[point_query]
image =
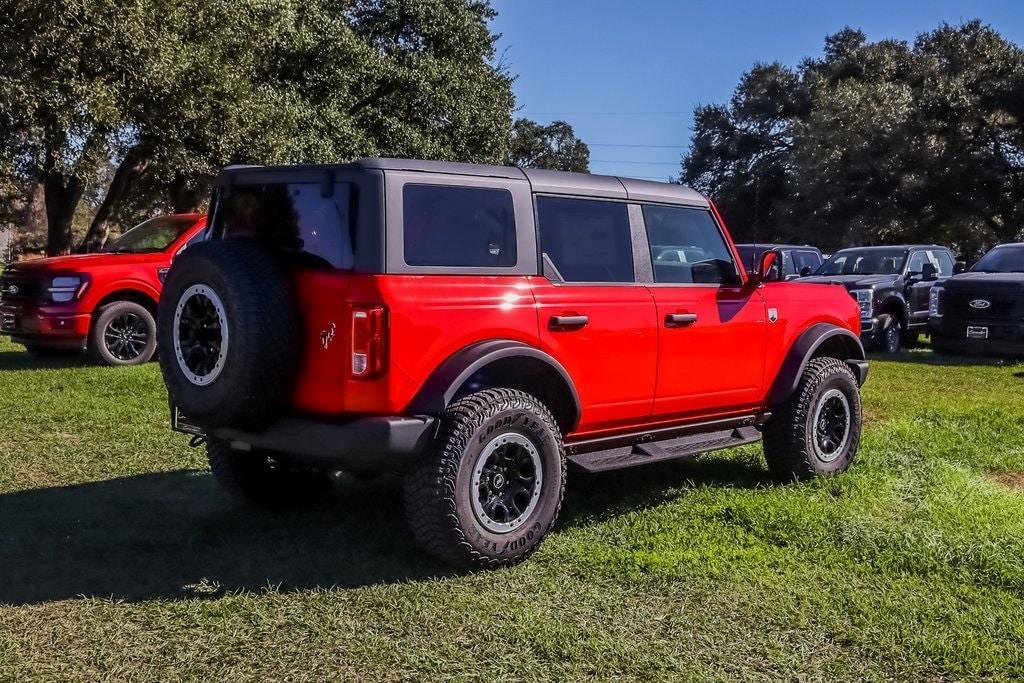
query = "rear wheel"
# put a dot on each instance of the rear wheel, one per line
(493, 485)
(261, 478)
(817, 431)
(124, 333)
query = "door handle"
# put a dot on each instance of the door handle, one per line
(680, 319)
(568, 322)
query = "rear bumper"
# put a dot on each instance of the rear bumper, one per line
(56, 327)
(366, 444)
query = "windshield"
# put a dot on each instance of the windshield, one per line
(154, 235)
(864, 262)
(1001, 260)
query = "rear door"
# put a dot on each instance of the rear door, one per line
(593, 316)
(711, 326)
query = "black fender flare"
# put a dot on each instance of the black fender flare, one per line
(444, 382)
(895, 299)
(805, 348)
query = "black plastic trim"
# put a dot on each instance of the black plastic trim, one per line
(441, 387)
(803, 350)
(367, 444)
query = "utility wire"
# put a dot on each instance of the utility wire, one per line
(623, 161)
(612, 144)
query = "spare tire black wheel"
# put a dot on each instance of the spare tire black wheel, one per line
(227, 333)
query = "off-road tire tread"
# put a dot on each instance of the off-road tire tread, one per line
(263, 296)
(785, 444)
(429, 489)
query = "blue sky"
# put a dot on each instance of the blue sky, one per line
(630, 73)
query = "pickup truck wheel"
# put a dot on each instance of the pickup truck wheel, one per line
(890, 334)
(259, 478)
(817, 431)
(124, 333)
(492, 486)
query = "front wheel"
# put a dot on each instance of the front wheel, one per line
(890, 334)
(124, 333)
(492, 486)
(817, 431)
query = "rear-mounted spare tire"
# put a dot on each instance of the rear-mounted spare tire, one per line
(227, 334)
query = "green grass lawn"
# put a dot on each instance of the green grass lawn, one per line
(119, 558)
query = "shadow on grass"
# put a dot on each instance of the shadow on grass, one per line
(175, 535)
(928, 357)
(23, 360)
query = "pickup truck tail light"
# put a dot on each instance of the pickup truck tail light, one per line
(369, 341)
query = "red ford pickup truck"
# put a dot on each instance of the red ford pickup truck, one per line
(103, 302)
(482, 329)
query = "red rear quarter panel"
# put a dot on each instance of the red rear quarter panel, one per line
(799, 306)
(430, 318)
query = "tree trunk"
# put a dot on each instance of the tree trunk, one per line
(131, 167)
(186, 198)
(62, 197)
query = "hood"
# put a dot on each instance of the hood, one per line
(853, 281)
(966, 280)
(76, 262)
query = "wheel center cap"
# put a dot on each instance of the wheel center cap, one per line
(498, 481)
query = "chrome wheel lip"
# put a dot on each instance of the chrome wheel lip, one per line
(833, 397)
(208, 293)
(500, 441)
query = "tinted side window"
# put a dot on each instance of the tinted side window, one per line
(917, 261)
(587, 240)
(805, 258)
(945, 263)
(458, 226)
(295, 218)
(686, 246)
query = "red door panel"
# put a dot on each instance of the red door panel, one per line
(612, 357)
(711, 350)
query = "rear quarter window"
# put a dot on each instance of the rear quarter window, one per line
(445, 225)
(296, 219)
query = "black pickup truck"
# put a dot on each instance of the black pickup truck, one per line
(982, 311)
(892, 286)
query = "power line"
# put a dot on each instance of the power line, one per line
(623, 161)
(611, 113)
(612, 144)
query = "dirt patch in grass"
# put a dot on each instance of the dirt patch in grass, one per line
(1012, 480)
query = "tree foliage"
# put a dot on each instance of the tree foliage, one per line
(554, 147)
(158, 94)
(878, 142)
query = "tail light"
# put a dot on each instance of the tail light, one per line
(369, 337)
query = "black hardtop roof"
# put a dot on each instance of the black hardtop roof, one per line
(541, 181)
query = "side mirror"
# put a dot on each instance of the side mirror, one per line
(805, 271)
(929, 271)
(769, 268)
(959, 267)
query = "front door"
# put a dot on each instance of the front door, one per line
(594, 318)
(918, 289)
(711, 326)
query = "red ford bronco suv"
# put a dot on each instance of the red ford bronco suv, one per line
(103, 302)
(479, 328)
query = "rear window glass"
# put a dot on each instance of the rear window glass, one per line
(295, 218)
(458, 226)
(587, 240)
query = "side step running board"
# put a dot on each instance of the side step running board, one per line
(658, 451)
